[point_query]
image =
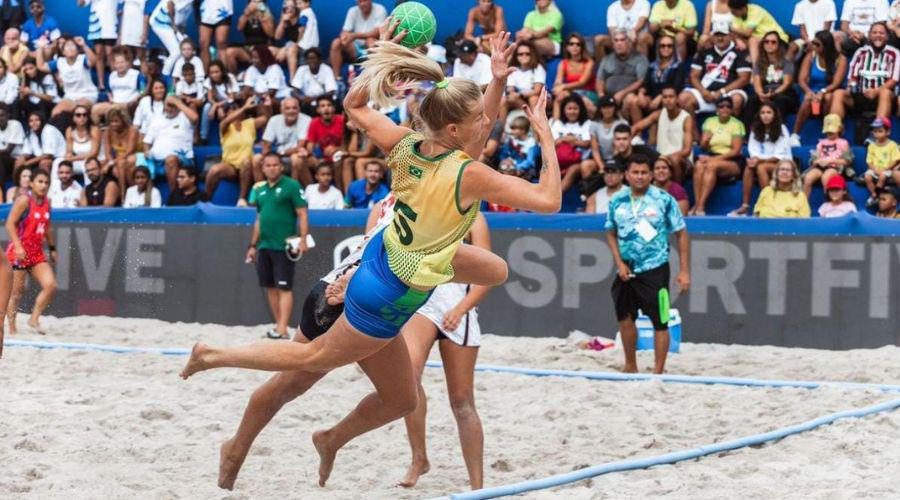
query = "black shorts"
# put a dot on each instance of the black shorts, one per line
(862, 104)
(274, 269)
(223, 22)
(317, 315)
(647, 291)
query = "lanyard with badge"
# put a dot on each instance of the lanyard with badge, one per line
(643, 226)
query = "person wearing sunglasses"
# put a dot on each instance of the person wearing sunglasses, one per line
(750, 25)
(773, 77)
(821, 73)
(666, 71)
(524, 85)
(82, 140)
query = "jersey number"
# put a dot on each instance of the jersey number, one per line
(401, 222)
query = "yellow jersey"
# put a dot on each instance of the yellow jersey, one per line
(429, 225)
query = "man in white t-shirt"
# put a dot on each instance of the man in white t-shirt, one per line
(629, 16)
(360, 31)
(857, 16)
(170, 138)
(285, 135)
(598, 203)
(67, 192)
(472, 64)
(313, 80)
(12, 135)
(813, 16)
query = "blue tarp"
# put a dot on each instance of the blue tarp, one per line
(860, 224)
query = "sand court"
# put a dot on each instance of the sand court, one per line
(80, 423)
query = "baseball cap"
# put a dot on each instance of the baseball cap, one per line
(831, 124)
(725, 100)
(881, 122)
(437, 53)
(836, 182)
(606, 101)
(468, 47)
(614, 166)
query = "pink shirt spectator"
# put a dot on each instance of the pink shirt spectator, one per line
(841, 209)
(832, 149)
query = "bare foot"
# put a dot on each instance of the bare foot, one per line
(326, 455)
(197, 362)
(229, 464)
(416, 469)
(630, 369)
(36, 326)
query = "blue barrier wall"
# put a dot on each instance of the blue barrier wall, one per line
(584, 16)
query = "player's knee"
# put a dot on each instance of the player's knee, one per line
(463, 406)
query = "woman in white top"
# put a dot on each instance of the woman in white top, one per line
(770, 144)
(82, 141)
(525, 84)
(572, 132)
(322, 195)
(150, 106)
(123, 84)
(221, 89)
(38, 89)
(717, 14)
(143, 193)
(215, 19)
(74, 70)
(43, 145)
(187, 55)
(264, 75)
(9, 85)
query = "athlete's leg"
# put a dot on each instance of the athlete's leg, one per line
(43, 274)
(340, 346)
(18, 286)
(5, 287)
(459, 370)
(391, 373)
(265, 402)
(419, 333)
(477, 266)
(285, 306)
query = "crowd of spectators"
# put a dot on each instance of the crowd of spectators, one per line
(709, 104)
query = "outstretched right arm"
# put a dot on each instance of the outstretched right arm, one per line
(481, 182)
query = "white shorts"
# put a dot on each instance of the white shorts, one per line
(132, 32)
(710, 107)
(444, 298)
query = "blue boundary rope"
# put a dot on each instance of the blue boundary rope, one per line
(610, 467)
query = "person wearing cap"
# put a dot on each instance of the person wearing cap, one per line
(613, 177)
(838, 202)
(887, 203)
(672, 132)
(882, 157)
(783, 197)
(677, 18)
(622, 73)
(872, 76)
(720, 71)
(472, 64)
(721, 141)
(831, 157)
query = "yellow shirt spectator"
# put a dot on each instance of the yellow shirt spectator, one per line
(760, 22)
(723, 133)
(777, 204)
(237, 145)
(881, 157)
(683, 15)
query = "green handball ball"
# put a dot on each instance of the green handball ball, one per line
(418, 20)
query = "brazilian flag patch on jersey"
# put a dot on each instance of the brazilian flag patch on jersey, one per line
(415, 171)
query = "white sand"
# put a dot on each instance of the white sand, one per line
(77, 424)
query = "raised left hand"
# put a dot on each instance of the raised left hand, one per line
(501, 52)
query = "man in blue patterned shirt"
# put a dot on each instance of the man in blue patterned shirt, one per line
(641, 217)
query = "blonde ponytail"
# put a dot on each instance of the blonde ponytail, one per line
(390, 69)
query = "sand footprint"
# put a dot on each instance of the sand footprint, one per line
(156, 415)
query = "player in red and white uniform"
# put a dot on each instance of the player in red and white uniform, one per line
(28, 226)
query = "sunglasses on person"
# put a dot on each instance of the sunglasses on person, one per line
(770, 41)
(666, 46)
(80, 115)
(574, 42)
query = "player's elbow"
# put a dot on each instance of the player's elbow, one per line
(549, 204)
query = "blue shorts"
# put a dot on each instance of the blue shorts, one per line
(377, 303)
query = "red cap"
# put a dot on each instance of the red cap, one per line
(836, 182)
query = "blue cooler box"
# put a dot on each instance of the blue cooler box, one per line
(645, 332)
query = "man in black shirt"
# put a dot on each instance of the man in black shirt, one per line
(187, 192)
(623, 149)
(719, 71)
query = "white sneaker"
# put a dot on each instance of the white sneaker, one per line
(795, 141)
(637, 141)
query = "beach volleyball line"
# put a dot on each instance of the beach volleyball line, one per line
(670, 458)
(532, 372)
